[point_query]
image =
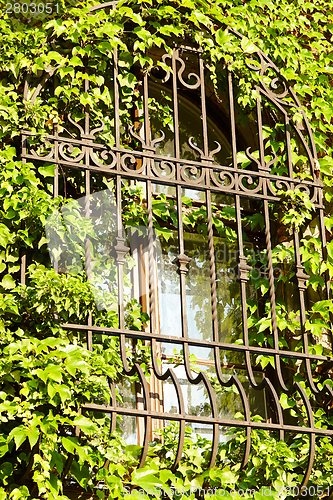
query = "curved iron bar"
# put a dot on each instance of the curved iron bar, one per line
(234, 380)
(169, 373)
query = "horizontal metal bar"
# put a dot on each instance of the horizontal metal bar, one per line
(196, 342)
(208, 420)
(174, 182)
(146, 154)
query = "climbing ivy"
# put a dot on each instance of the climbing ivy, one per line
(48, 448)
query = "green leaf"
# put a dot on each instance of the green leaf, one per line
(19, 434)
(75, 61)
(69, 443)
(51, 390)
(8, 282)
(4, 235)
(145, 479)
(64, 392)
(33, 436)
(47, 170)
(54, 372)
(247, 46)
(222, 37)
(85, 424)
(6, 470)
(286, 402)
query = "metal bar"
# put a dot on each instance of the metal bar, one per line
(121, 314)
(175, 103)
(288, 146)
(151, 260)
(324, 251)
(212, 266)
(87, 253)
(243, 268)
(209, 420)
(148, 154)
(183, 183)
(116, 98)
(260, 136)
(203, 107)
(272, 298)
(199, 343)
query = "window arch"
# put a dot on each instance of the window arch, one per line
(187, 192)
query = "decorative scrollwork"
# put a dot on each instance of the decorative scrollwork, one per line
(180, 72)
(202, 155)
(222, 178)
(165, 169)
(98, 129)
(272, 161)
(193, 174)
(105, 155)
(303, 188)
(254, 159)
(76, 124)
(161, 69)
(194, 146)
(158, 139)
(275, 185)
(134, 163)
(314, 198)
(256, 182)
(70, 148)
(275, 84)
(137, 136)
(49, 155)
(216, 150)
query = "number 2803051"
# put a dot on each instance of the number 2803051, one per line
(31, 8)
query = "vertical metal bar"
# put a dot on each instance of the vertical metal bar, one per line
(146, 110)
(87, 252)
(120, 263)
(241, 258)
(116, 99)
(232, 121)
(324, 251)
(212, 267)
(301, 284)
(272, 296)
(270, 269)
(301, 279)
(56, 171)
(324, 248)
(181, 253)
(23, 258)
(26, 86)
(203, 107)
(151, 260)
(87, 249)
(182, 272)
(259, 127)
(23, 267)
(288, 146)
(86, 108)
(175, 103)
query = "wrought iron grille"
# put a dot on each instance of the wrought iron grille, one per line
(229, 175)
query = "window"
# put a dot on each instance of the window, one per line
(180, 199)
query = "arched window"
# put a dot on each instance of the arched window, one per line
(181, 194)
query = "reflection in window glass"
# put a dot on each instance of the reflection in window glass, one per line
(198, 292)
